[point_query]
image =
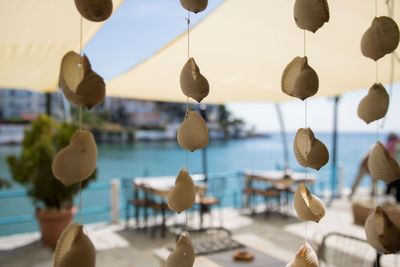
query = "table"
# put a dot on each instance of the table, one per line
(262, 249)
(279, 177)
(282, 181)
(161, 186)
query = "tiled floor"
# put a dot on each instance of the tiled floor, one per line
(120, 247)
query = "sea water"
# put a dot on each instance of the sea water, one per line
(224, 158)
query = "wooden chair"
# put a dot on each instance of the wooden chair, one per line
(157, 206)
(214, 195)
(268, 193)
(132, 199)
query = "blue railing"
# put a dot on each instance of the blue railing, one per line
(31, 218)
(233, 197)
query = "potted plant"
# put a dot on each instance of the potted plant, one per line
(32, 169)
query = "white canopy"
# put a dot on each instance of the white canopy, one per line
(35, 34)
(243, 47)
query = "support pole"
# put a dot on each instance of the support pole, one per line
(48, 104)
(334, 149)
(284, 138)
(114, 199)
(204, 150)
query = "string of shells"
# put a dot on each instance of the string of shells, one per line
(77, 161)
(192, 134)
(380, 39)
(300, 80)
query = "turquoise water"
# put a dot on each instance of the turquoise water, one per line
(166, 158)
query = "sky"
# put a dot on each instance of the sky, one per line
(140, 28)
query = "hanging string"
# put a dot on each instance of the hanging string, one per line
(187, 108)
(376, 72)
(390, 9)
(80, 108)
(188, 35)
(306, 169)
(186, 222)
(305, 126)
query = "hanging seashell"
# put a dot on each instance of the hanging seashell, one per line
(382, 166)
(381, 38)
(308, 206)
(183, 195)
(382, 234)
(311, 14)
(79, 83)
(299, 79)
(193, 133)
(309, 151)
(77, 161)
(375, 105)
(305, 257)
(193, 83)
(183, 255)
(74, 248)
(95, 10)
(195, 6)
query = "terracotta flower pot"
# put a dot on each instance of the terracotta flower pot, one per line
(53, 222)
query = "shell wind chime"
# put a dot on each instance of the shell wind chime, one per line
(77, 161)
(192, 135)
(300, 80)
(380, 39)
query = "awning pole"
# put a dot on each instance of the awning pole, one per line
(334, 149)
(204, 150)
(284, 137)
(48, 104)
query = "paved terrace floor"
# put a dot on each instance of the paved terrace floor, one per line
(120, 247)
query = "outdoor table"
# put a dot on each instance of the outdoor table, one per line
(265, 253)
(161, 186)
(280, 179)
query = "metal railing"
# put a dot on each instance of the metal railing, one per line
(115, 207)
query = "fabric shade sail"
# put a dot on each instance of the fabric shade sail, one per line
(34, 37)
(242, 48)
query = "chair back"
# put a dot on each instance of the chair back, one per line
(216, 187)
(339, 249)
(127, 188)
